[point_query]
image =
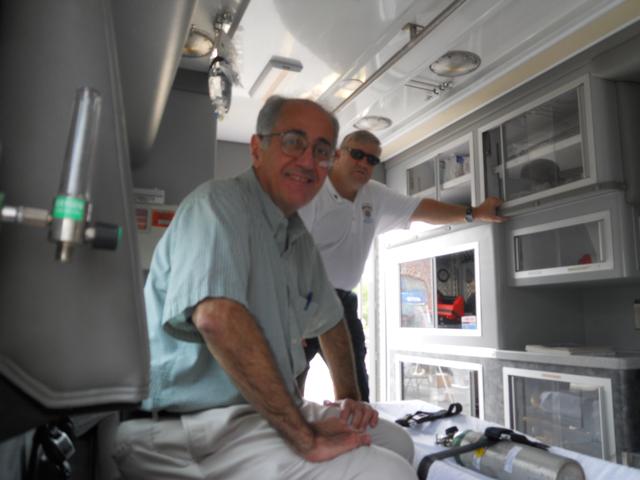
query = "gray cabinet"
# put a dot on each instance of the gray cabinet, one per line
(561, 141)
(587, 238)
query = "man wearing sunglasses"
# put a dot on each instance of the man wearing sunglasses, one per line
(350, 210)
(235, 284)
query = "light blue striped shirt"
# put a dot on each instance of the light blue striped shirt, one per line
(229, 240)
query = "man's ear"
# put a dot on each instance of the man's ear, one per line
(338, 156)
(256, 149)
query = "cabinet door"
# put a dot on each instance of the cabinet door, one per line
(445, 173)
(440, 382)
(588, 238)
(439, 292)
(421, 179)
(568, 411)
(538, 150)
(574, 245)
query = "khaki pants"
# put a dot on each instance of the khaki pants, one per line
(237, 443)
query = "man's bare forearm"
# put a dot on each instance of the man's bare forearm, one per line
(338, 353)
(238, 345)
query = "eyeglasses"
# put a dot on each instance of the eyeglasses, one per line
(358, 154)
(295, 143)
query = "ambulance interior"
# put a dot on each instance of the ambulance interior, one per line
(533, 324)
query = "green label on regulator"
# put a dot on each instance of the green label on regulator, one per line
(68, 207)
(1, 200)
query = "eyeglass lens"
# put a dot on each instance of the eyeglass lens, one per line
(358, 154)
(295, 143)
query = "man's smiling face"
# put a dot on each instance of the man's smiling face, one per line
(292, 181)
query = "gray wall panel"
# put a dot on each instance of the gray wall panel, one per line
(233, 158)
(182, 156)
(74, 334)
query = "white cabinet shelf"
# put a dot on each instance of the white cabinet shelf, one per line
(462, 180)
(542, 151)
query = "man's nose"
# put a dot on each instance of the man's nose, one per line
(306, 159)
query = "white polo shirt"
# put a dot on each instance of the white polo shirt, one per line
(344, 230)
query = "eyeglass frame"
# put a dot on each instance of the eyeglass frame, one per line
(301, 134)
(371, 159)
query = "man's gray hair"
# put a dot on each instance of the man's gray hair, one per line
(360, 136)
(270, 112)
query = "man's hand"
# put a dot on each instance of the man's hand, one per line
(486, 211)
(332, 438)
(359, 415)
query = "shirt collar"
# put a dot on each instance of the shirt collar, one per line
(335, 195)
(332, 191)
(281, 226)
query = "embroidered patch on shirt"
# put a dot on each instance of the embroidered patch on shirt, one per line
(367, 211)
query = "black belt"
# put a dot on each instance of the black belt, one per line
(158, 414)
(344, 293)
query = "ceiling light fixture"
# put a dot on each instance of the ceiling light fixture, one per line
(373, 122)
(455, 63)
(199, 44)
(273, 76)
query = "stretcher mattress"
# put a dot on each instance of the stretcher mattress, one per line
(424, 436)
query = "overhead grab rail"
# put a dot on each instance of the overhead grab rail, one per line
(417, 34)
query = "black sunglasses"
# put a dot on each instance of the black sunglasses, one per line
(358, 154)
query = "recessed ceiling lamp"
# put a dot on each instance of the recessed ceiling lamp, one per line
(373, 122)
(455, 63)
(199, 43)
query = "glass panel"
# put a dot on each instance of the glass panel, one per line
(454, 164)
(561, 247)
(421, 177)
(542, 148)
(456, 290)
(416, 297)
(455, 174)
(454, 278)
(440, 385)
(558, 413)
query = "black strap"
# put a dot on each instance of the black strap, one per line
(497, 433)
(427, 461)
(419, 417)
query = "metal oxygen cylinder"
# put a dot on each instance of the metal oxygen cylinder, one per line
(507, 460)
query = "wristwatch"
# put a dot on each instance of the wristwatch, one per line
(468, 214)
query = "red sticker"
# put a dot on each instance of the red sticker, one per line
(161, 218)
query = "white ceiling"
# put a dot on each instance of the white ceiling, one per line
(338, 40)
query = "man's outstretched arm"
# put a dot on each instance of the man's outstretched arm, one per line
(440, 213)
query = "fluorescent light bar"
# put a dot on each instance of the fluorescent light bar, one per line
(273, 75)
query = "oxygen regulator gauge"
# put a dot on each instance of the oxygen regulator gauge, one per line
(70, 220)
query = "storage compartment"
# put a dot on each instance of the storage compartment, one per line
(548, 146)
(589, 238)
(444, 174)
(570, 411)
(441, 382)
(440, 287)
(438, 292)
